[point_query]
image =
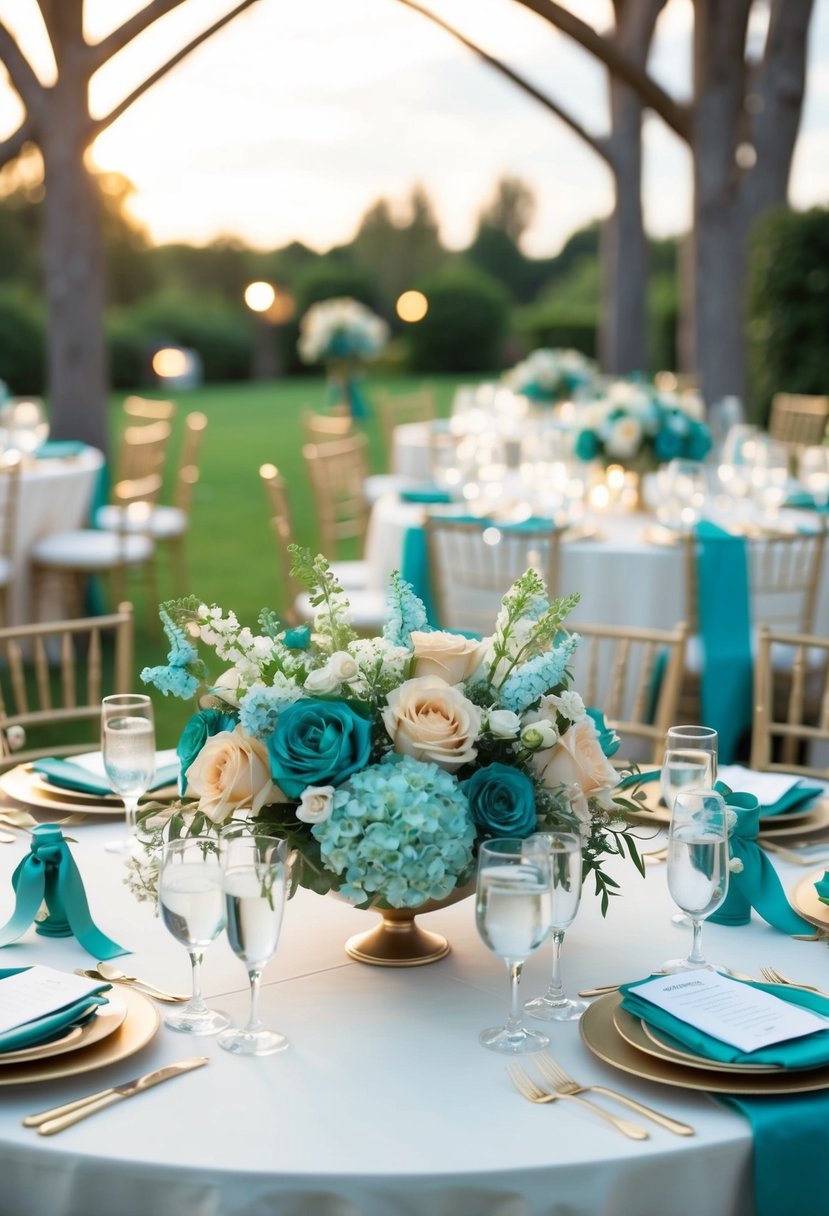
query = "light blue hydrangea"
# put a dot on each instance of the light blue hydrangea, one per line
(400, 833)
(525, 684)
(180, 676)
(404, 612)
(260, 707)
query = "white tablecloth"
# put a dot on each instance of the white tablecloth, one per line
(385, 1104)
(55, 496)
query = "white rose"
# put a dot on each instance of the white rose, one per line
(343, 667)
(503, 723)
(449, 655)
(231, 771)
(432, 721)
(322, 680)
(316, 803)
(224, 690)
(15, 738)
(624, 438)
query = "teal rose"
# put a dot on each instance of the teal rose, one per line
(586, 446)
(317, 743)
(199, 729)
(501, 801)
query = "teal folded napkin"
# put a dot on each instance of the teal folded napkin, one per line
(725, 633)
(753, 881)
(52, 1025)
(71, 776)
(48, 876)
(425, 494)
(803, 500)
(54, 449)
(822, 888)
(794, 799)
(811, 1051)
(789, 1132)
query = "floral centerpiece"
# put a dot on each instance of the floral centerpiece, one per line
(385, 761)
(548, 376)
(639, 428)
(344, 334)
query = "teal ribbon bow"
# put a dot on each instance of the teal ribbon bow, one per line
(822, 888)
(756, 885)
(48, 875)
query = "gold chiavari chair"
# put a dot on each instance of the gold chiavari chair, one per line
(145, 409)
(54, 675)
(784, 732)
(635, 676)
(472, 563)
(798, 420)
(367, 606)
(143, 451)
(337, 472)
(398, 411)
(71, 558)
(9, 496)
(326, 428)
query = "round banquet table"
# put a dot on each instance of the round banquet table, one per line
(385, 1104)
(55, 496)
(622, 576)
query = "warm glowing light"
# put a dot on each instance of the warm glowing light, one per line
(615, 476)
(260, 296)
(171, 362)
(412, 306)
(599, 497)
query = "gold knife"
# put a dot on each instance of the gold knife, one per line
(59, 1117)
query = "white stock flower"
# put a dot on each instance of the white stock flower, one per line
(568, 703)
(316, 803)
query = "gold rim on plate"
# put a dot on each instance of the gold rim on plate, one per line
(105, 1022)
(138, 1027)
(600, 1035)
(24, 785)
(805, 900)
(812, 819)
(656, 1046)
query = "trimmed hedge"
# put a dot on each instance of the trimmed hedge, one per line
(466, 325)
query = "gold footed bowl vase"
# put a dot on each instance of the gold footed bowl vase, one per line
(399, 941)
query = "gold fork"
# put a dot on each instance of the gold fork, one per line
(773, 976)
(528, 1089)
(789, 855)
(561, 1081)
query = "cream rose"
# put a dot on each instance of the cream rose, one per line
(323, 680)
(449, 655)
(430, 720)
(316, 804)
(578, 759)
(231, 771)
(225, 690)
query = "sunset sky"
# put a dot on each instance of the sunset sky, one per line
(295, 118)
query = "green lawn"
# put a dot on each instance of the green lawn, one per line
(231, 554)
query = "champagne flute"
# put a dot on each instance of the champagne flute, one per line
(128, 750)
(512, 912)
(563, 850)
(193, 910)
(697, 864)
(255, 871)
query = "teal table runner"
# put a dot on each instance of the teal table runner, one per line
(725, 633)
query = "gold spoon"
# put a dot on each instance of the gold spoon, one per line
(113, 975)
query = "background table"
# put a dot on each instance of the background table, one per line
(55, 496)
(385, 1104)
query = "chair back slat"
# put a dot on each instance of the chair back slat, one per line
(394, 411)
(281, 525)
(798, 420)
(41, 662)
(187, 474)
(143, 451)
(337, 472)
(148, 410)
(790, 730)
(327, 428)
(68, 671)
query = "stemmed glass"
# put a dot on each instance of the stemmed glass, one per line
(128, 750)
(193, 909)
(813, 473)
(255, 871)
(512, 912)
(563, 850)
(697, 864)
(685, 768)
(694, 739)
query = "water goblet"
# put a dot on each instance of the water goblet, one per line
(694, 739)
(563, 850)
(128, 750)
(683, 769)
(192, 908)
(697, 865)
(512, 912)
(255, 870)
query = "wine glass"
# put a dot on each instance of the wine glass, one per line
(684, 769)
(563, 850)
(697, 864)
(192, 907)
(694, 739)
(512, 912)
(128, 750)
(255, 871)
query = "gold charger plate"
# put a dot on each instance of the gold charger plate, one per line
(805, 900)
(140, 1023)
(106, 1021)
(644, 1038)
(600, 1035)
(812, 819)
(24, 785)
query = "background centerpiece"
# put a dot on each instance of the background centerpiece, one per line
(386, 761)
(548, 376)
(344, 335)
(639, 428)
